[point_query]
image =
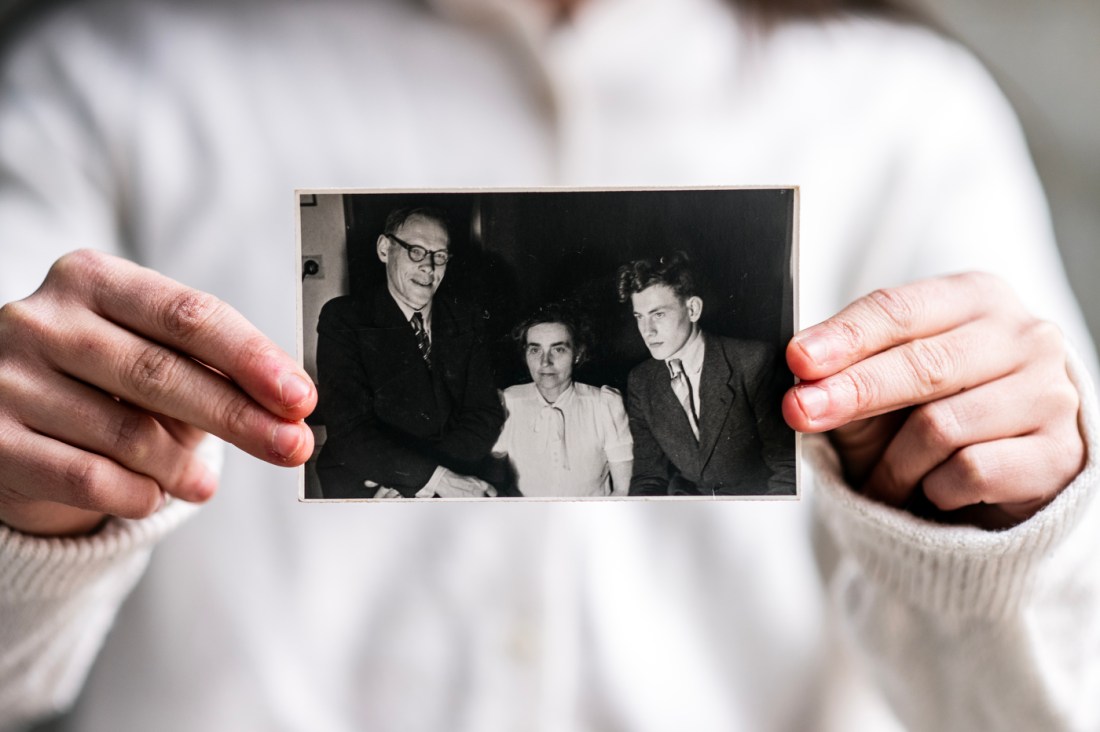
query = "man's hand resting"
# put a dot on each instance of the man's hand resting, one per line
(111, 374)
(943, 391)
(455, 485)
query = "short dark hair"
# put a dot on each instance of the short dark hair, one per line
(580, 330)
(398, 217)
(673, 270)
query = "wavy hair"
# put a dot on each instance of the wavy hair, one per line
(673, 270)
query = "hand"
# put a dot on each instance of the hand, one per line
(454, 485)
(381, 491)
(944, 391)
(110, 374)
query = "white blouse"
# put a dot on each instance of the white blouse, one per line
(564, 449)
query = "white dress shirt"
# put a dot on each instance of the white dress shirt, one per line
(691, 356)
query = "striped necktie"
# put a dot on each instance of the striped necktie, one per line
(422, 340)
(681, 386)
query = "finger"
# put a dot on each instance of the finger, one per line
(163, 381)
(465, 488)
(87, 418)
(1019, 474)
(886, 318)
(917, 372)
(384, 492)
(64, 474)
(192, 322)
(863, 443)
(475, 487)
(187, 435)
(45, 518)
(932, 433)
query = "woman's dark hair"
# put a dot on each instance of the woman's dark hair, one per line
(771, 11)
(580, 330)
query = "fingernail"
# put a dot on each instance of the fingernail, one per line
(814, 401)
(293, 390)
(817, 347)
(286, 440)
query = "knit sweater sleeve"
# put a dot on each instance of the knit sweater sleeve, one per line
(59, 598)
(965, 629)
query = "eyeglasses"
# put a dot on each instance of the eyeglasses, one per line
(440, 257)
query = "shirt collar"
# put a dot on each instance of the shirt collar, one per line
(691, 354)
(563, 399)
(425, 312)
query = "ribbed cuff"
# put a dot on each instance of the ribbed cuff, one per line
(43, 568)
(958, 570)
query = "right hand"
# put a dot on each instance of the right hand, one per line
(945, 391)
(110, 376)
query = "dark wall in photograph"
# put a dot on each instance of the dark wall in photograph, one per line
(516, 251)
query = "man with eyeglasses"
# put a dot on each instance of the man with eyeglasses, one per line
(404, 379)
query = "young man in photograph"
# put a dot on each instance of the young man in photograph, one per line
(405, 386)
(705, 409)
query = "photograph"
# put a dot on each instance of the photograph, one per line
(549, 344)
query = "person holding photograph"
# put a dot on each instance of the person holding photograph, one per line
(563, 438)
(705, 410)
(165, 138)
(405, 385)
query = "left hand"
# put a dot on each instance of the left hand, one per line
(947, 387)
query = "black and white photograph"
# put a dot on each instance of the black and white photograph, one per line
(549, 344)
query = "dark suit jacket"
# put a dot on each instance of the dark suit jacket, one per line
(388, 417)
(744, 446)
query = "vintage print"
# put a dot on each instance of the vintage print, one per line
(551, 344)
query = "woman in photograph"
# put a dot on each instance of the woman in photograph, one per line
(563, 438)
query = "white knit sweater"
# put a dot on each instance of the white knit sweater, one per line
(174, 133)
